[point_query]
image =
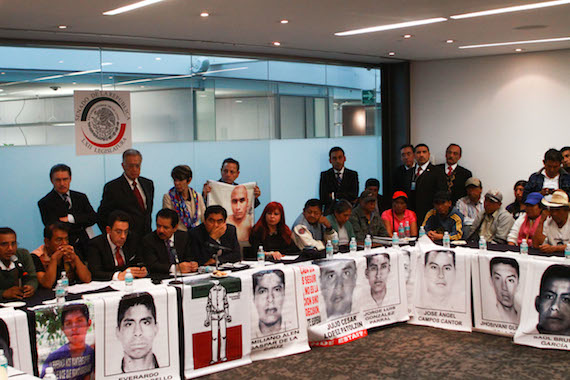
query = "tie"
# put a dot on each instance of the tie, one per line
(169, 250)
(119, 258)
(338, 178)
(138, 195)
(449, 171)
(419, 171)
(67, 201)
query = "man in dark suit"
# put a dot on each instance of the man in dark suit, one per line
(214, 232)
(130, 193)
(425, 181)
(401, 176)
(69, 207)
(166, 246)
(456, 175)
(110, 254)
(338, 182)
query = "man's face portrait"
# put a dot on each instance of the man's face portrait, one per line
(505, 281)
(422, 155)
(452, 155)
(377, 272)
(132, 166)
(61, 181)
(229, 173)
(406, 260)
(312, 214)
(407, 155)
(553, 306)
(75, 328)
(136, 332)
(268, 297)
(338, 279)
(164, 228)
(8, 246)
(214, 220)
(58, 239)
(240, 202)
(439, 273)
(337, 159)
(118, 233)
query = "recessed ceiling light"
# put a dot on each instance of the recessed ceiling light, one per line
(284, 21)
(276, 43)
(110, 77)
(106, 63)
(449, 41)
(60, 61)
(62, 26)
(406, 36)
(204, 14)
(516, 43)
(130, 7)
(518, 50)
(391, 26)
(142, 86)
(1, 90)
(157, 59)
(140, 67)
(391, 54)
(2, 73)
(511, 9)
(239, 101)
(74, 82)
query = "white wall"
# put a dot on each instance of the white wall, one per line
(505, 112)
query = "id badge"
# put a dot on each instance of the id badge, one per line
(413, 187)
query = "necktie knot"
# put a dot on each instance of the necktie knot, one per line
(449, 170)
(119, 257)
(419, 171)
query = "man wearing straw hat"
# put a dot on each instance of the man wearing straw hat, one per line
(553, 232)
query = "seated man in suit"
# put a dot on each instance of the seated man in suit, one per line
(56, 255)
(165, 247)
(456, 175)
(17, 278)
(213, 233)
(130, 193)
(112, 253)
(338, 182)
(69, 207)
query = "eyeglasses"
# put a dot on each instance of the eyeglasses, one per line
(6, 244)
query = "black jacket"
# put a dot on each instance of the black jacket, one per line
(155, 254)
(101, 261)
(456, 182)
(200, 252)
(328, 184)
(428, 183)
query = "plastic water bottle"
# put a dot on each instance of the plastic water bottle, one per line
(395, 240)
(401, 231)
(49, 374)
(446, 240)
(524, 247)
(335, 242)
(261, 255)
(3, 365)
(59, 293)
(352, 245)
(407, 230)
(129, 279)
(64, 282)
(482, 244)
(367, 243)
(567, 252)
(329, 249)
(422, 232)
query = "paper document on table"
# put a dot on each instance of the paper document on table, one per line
(93, 285)
(289, 257)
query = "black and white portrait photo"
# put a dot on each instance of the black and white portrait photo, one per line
(553, 301)
(444, 284)
(337, 282)
(377, 272)
(504, 278)
(269, 297)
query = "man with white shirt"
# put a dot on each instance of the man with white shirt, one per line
(338, 182)
(167, 249)
(553, 232)
(550, 178)
(456, 175)
(130, 193)
(471, 204)
(110, 254)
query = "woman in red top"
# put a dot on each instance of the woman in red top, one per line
(272, 233)
(399, 213)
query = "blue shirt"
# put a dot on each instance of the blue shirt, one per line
(68, 368)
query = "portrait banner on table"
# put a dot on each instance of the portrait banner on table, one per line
(239, 202)
(217, 323)
(15, 339)
(443, 288)
(65, 339)
(409, 260)
(278, 323)
(545, 318)
(498, 290)
(102, 122)
(333, 300)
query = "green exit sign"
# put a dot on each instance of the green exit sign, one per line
(368, 97)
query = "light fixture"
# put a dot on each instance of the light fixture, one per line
(518, 50)
(60, 61)
(2, 73)
(391, 26)
(449, 41)
(74, 83)
(157, 59)
(62, 26)
(406, 36)
(276, 43)
(239, 101)
(204, 14)
(1, 90)
(106, 63)
(516, 43)
(516, 8)
(391, 54)
(130, 7)
(284, 21)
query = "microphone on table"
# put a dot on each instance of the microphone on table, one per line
(217, 247)
(22, 273)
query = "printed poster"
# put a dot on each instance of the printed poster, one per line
(102, 122)
(545, 318)
(239, 203)
(498, 291)
(216, 323)
(278, 323)
(443, 288)
(15, 339)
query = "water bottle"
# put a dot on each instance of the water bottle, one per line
(352, 245)
(3, 366)
(59, 293)
(446, 240)
(49, 375)
(64, 282)
(567, 252)
(335, 242)
(401, 231)
(329, 249)
(395, 240)
(524, 247)
(422, 232)
(367, 243)
(260, 255)
(482, 244)
(129, 279)
(407, 230)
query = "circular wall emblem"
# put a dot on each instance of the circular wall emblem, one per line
(105, 122)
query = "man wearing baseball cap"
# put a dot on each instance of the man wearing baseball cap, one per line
(553, 233)
(365, 219)
(471, 204)
(527, 223)
(494, 222)
(443, 217)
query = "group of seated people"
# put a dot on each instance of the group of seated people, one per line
(189, 235)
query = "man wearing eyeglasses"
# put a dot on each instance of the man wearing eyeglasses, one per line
(17, 276)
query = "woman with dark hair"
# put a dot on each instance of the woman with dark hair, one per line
(187, 202)
(342, 210)
(399, 213)
(272, 233)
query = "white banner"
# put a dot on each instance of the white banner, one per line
(102, 122)
(498, 291)
(545, 318)
(15, 339)
(239, 203)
